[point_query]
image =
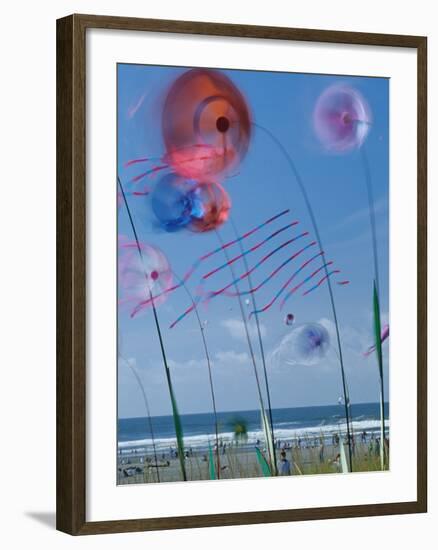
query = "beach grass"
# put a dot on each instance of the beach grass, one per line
(242, 462)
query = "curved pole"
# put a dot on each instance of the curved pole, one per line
(146, 404)
(245, 324)
(160, 339)
(207, 357)
(329, 286)
(372, 215)
(260, 340)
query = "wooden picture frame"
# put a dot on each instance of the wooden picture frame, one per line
(71, 273)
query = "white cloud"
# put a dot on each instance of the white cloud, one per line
(351, 338)
(353, 342)
(380, 207)
(223, 359)
(127, 362)
(232, 357)
(190, 364)
(236, 328)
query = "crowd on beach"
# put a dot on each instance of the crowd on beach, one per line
(292, 454)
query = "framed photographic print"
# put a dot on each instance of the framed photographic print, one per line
(241, 283)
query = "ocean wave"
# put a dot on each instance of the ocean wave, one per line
(284, 434)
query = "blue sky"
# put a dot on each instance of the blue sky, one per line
(262, 186)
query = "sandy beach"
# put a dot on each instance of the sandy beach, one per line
(239, 461)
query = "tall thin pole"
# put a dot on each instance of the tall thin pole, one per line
(210, 375)
(245, 324)
(329, 286)
(260, 340)
(146, 404)
(160, 339)
(372, 215)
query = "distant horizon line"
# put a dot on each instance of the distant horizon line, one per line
(251, 410)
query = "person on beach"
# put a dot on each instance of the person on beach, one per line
(285, 466)
(377, 446)
(336, 462)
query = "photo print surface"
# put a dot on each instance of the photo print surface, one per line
(253, 272)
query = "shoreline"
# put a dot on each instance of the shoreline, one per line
(202, 441)
(312, 455)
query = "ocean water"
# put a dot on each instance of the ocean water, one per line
(289, 424)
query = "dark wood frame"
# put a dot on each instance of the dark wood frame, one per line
(71, 269)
